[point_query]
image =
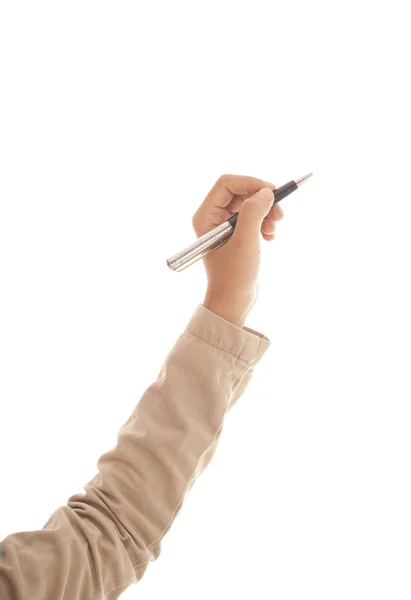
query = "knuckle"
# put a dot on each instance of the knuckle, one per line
(194, 224)
(197, 223)
(223, 178)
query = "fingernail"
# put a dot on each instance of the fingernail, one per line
(266, 194)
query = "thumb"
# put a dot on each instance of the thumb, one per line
(251, 216)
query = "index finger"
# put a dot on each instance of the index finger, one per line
(227, 186)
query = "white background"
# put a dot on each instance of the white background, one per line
(116, 118)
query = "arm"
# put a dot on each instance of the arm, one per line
(102, 541)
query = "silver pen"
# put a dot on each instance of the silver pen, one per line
(221, 234)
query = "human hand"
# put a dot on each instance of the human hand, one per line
(232, 271)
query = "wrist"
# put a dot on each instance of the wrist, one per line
(226, 310)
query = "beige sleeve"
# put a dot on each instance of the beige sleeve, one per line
(102, 541)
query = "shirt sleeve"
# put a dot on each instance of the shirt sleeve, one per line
(102, 541)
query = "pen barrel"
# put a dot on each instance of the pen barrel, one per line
(279, 194)
(203, 245)
(284, 191)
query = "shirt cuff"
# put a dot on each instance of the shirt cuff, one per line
(244, 344)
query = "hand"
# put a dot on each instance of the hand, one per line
(232, 270)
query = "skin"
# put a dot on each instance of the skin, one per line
(232, 270)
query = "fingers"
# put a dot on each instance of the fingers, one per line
(227, 186)
(276, 214)
(268, 238)
(268, 226)
(251, 217)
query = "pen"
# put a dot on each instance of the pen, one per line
(222, 233)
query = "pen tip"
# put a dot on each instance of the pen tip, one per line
(300, 180)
